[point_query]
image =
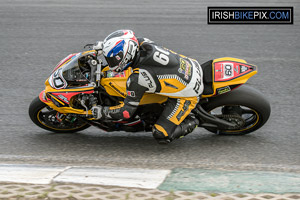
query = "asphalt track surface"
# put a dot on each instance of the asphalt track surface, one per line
(35, 35)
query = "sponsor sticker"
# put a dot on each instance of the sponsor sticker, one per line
(65, 99)
(223, 90)
(185, 68)
(228, 70)
(57, 81)
(147, 79)
(111, 74)
(243, 68)
(131, 93)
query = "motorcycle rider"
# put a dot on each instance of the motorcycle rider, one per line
(155, 70)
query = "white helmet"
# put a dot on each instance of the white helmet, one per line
(119, 49)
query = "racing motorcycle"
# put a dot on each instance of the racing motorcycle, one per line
(82, 80)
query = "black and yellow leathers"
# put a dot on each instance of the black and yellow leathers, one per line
(162, 71)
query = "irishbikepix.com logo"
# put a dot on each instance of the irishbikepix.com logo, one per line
(250, 15)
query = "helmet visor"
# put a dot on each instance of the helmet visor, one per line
(114, 61)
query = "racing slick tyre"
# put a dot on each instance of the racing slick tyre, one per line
(245, 106)
(47, 118)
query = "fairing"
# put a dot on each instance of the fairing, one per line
(67, 81)
(229, 73)
(68, 73)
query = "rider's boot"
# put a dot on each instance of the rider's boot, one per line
(186, 127)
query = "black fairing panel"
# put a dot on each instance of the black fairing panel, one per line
(207, 77)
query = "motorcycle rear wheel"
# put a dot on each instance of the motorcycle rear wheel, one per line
(45, 117)
(245, 105)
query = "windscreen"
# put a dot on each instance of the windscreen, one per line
(72, 73)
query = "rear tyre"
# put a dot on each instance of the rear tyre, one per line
(47, 118)
(245, 106)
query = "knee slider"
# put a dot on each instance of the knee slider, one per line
(159, 132)
(160, 135)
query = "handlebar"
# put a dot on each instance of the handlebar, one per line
(94, 62)
(98, 46)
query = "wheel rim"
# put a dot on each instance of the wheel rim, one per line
(248, 115)
(57, 121)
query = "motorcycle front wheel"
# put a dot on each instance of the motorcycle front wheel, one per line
(49, 119)
(246, 107)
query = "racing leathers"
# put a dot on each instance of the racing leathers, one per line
(162, 71)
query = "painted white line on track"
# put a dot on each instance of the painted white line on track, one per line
(28, 174)
(124, 177)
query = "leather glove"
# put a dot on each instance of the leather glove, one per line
(98, 45)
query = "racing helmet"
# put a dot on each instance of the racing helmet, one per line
(119, 49)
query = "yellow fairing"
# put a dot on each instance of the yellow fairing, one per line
(87, 52)
(231, 59)
(236, 81)
(116, 86)
(64, 110)
(75, 89)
